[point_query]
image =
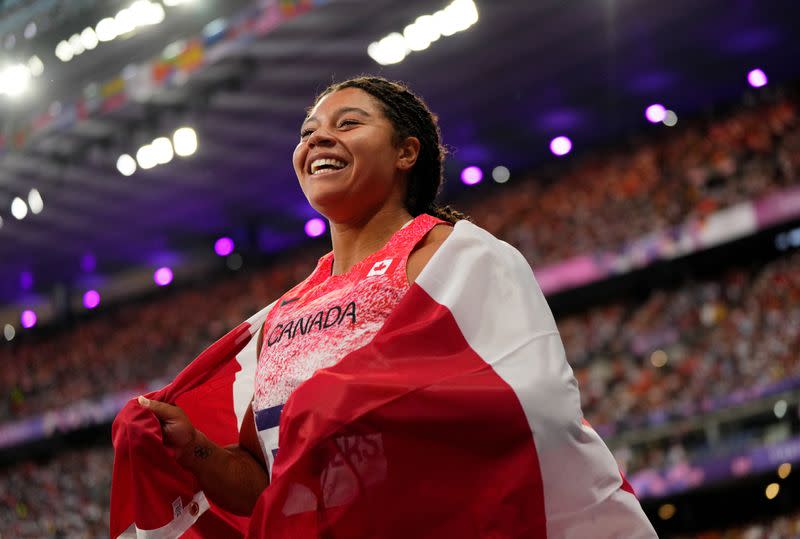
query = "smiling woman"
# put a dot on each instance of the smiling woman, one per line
(418, 357)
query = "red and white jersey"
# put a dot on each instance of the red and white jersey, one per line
(321, 320)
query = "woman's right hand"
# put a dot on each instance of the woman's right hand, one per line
(179, 433)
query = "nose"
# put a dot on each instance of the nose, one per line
(320, 137)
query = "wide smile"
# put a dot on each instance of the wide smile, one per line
(325, 166)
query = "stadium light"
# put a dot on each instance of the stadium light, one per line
(126, 164)
(88, 262)
(163, 276)
(35, 201)
(30, 30)
(146, 157)
(19, 209)
(670, 119)
(162, 147)
(14, 80)
(89, 38)
(35, 66)
(223, 246)
(417, 36)
(91, 299)
(501, 174)
(9, 332)
(28, 319)
(106, 29)
(471, 175)
(757, 78)
(26, 280)
(655, 113)
(184, 141)
(64, 52)
(315, 227)
(561, 146)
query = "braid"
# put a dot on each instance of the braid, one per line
(410, 116)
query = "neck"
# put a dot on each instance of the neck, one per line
(355, 241)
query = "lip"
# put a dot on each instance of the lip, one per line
(324, 155)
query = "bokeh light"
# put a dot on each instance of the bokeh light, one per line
(561, 146)
(91, 299)
(501, 174)
(163, 276)
(757, 78)
(28, 319)
(315, 227)
(655, 113)
(471, 175)
(224, 246)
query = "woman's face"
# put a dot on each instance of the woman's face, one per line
(347, 163)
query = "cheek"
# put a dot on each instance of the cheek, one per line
(299, 158)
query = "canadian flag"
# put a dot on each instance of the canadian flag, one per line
(379, 268)
(460, 418)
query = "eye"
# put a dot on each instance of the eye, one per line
(348, 122)
(305, 132)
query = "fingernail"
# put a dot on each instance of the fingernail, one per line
(143, 400)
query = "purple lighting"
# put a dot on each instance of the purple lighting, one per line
(471, 175)
(757, 78)
(28, 319)
(315, 227)
(91, 299)
(26, 280)
(163, 276)
(560, 146)
(223, 246)
(88, 262)
(655, 113)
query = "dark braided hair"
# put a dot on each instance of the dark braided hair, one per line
(410, 117)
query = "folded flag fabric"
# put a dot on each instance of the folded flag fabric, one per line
(460, 418)
(152, 497)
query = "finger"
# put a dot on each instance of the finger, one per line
(161, 409)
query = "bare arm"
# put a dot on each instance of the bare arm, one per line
(233, 476)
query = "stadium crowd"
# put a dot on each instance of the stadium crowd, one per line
(639, 362)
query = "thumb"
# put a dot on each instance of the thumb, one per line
(162, 410)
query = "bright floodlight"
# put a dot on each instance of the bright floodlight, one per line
(126, 22)
(471, 175)
(389, 50)
(163, 276)
(91, 299)
(35, 201)
(315, 227)
(417, 37)
(64, 51)
(18, 208)
(501, 174)
(14, 80)
(163, 150)
(106, 29)
(126, 164)
(26, 280)
(560, 146)
(9, 332)
(76, 44)
(28, 319)
(146, 157)
(184, 141)
(757, 78)
(655, 113)
(89, 38)
(223, 246)
(35, 66)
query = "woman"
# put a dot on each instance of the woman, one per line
(370, 160)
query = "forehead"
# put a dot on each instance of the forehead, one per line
(346, 98)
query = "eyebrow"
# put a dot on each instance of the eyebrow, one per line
(341, 111)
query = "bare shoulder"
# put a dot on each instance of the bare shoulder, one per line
(423, 252)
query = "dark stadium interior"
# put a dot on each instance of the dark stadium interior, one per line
(685, 342)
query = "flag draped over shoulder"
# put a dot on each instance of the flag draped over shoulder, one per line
(460, 418)
(152, 497)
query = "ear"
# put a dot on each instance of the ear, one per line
(407, 153)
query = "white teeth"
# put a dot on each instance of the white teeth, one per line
(317, 164)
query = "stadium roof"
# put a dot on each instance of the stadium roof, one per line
(525, 73)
